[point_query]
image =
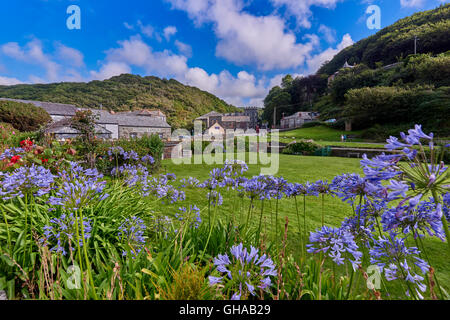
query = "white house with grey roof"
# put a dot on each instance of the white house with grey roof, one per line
(110, 124)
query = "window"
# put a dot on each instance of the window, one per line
(217, 128)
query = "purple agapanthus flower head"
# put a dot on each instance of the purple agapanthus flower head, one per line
(336, 243)
(394, 258)
(246, 270)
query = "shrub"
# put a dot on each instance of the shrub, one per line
(23, 116)
(312, 124)
(304, 147)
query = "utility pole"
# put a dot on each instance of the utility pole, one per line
(274, 117)
(415, 44)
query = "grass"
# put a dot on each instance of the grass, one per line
(301, 169)
(318, 133)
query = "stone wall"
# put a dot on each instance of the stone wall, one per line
(127, 132)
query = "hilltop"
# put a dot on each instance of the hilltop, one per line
(396, 41)
(179, 102)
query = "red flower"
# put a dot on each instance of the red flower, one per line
(26, 144)
(44, 160)
(15, 159)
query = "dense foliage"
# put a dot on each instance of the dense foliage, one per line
(293, 95)
(126, 92)
(397, 40)
(23, 116)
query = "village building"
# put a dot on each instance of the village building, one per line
(228, 121)
(215, 130)
(109, 124)
(298, 119)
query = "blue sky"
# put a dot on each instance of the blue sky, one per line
(236, 49)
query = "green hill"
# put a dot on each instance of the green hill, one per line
(179, 102)
(379, 96)
(397, 40)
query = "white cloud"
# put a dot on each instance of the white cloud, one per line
(169, 31)
(61, 65)
(328, 33)
(70, 55)
(411, 3)
(5, 81)
(32, 53)
(110, 69)
(184, 48)
(301, 9)
(316, 61)
(146, 30)
(128, 26)
(245, 39)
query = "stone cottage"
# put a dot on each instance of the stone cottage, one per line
(110, 125)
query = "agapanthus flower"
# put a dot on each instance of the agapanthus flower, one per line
(350, 187)
(132, 174)
(245, 271)
(415, 216)
(62, 232)
(190, 182)
(79, 188)
(191, 216)
(256, 188)
(381, 167)
(33, 180)
(215, 198)
(148, 159)
(446, 205)
(393, 258)
(131, 232)
(115, 151)
(335, 243)
(235, 167)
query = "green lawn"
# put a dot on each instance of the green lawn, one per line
(317, 133)
(299, 169)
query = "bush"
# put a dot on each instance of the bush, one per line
(23, 116)
(304, 147)
(312, 124)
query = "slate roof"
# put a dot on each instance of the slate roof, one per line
(56, 109)
(236, 118)
(210, 114)
(64, 126)
(131, 119)
(141, 118)
(139, 121)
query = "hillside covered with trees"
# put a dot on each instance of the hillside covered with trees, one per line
(179, 102)
(376, 96)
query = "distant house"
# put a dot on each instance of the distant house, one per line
(237, 120)
(298, 119)
(110, 125)
(63, 129)
(215, 130)
(333, 76)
